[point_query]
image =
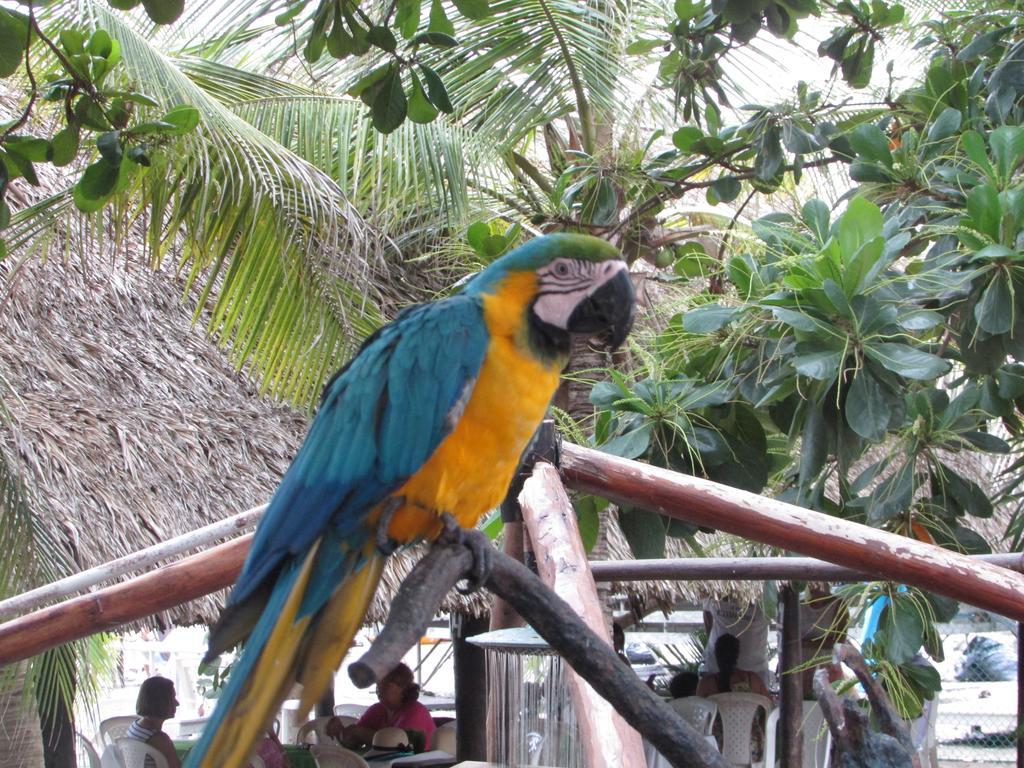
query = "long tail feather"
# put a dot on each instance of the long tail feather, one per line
(340, 620)
(259, 678)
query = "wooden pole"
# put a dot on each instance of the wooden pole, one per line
(752, 569)
(109, 608)
(470, 688)
(868, 550)
(136, 561)
(607, 741)
(790, 680)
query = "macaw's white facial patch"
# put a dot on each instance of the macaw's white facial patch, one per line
(564, 283)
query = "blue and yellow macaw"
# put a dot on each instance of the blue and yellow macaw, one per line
(428, 420)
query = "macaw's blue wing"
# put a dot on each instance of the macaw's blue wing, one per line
(314, 566)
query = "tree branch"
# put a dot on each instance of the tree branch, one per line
(592, 658)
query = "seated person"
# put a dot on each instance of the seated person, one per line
(398, 707)
(824, 621)
(271, 751)
(729, 677)
(683, 684)
(156, 703)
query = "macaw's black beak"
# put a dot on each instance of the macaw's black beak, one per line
(608, 310)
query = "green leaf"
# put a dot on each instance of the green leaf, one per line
(340, 43)
(5, 220)
(974, 147)
(382, 38)
(285, 16)
(708, 319)
(724, 189)
(436, 91)
(907, 361)
(72, 40)
(945, 125)
(31, 148)
(476, 234)
(109, 145)
(967, 493)
(643, 46)
(903, 629)
(769, 158)
(100, 44)
(135, 96)
(822, 366)
(994, 310)
(984, 441)
(869, 142)
(389, 105)
(183, 118)
(985, 210)
(439, 22)
(816, 216)
(420, 108)
(798, 320)
(861, 222)
(89, 114)
(588, 518)
(407, 17)
(684, 137)
(95, 187)
(644, 530)
(473, 9)
(631, 444)
(369, 79)
(155, 126)
(13, 41)
(867, 408)
(436, 39)
(1007, 144)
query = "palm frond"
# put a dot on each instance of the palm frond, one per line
(268, 233)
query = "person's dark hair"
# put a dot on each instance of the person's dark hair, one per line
(683, 684)
(403, 677)
(618, 636)
(727, 653)
(155, 696)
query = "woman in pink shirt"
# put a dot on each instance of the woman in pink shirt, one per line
(398, 708)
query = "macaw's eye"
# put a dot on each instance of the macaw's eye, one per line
(561, 269)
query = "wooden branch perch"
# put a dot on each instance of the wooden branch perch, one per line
(591, 657)
(857, 746)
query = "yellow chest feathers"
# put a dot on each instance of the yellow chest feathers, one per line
(471, 469)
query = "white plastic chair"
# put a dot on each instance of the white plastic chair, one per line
(352, 710)
(85, 753)
(444, 738)
(114, 728)
(112, 757)
(330, 756)
(388, 738)
(256, 762)
(312, 732)
(697, 711)
(817, 741)
(738, 712)
(922, 734)
(135, 753)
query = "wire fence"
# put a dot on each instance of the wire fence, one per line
(977, 708)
